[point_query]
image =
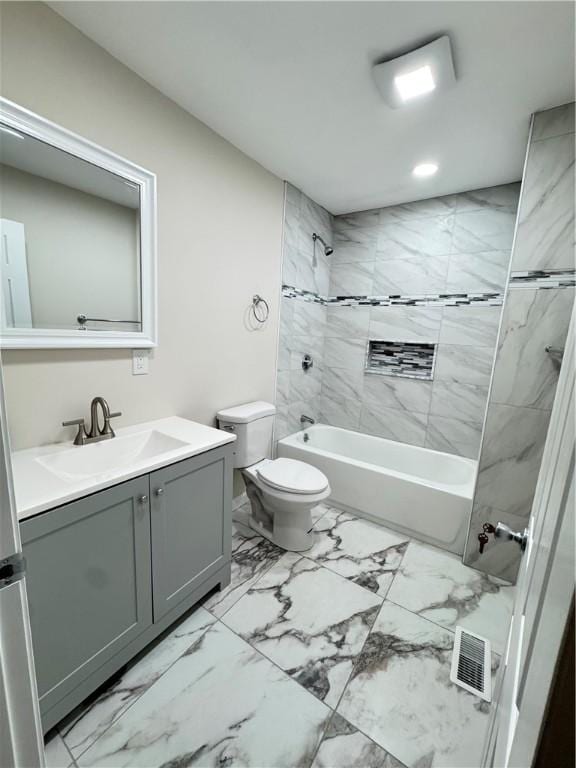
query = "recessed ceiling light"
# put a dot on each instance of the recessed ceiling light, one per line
(425, 169)
(415, 83)
(11, 132)
(425, 70)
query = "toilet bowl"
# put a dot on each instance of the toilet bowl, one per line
(282, 492)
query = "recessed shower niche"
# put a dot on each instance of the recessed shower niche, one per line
(412, 360)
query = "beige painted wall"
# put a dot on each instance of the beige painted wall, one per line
(220, 226)
(82, 250)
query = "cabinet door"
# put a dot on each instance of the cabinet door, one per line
(191, 526)
(89, 584)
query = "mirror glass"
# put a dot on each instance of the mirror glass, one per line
(70, 241)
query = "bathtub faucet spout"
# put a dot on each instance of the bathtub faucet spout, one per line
(306, 420)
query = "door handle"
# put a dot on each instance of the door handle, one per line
(504, 532)
(142, 499)
(159, 491)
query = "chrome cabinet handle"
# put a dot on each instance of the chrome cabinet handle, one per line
(143, 499)
(159, 491)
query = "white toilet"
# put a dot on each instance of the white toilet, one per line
(281, 491)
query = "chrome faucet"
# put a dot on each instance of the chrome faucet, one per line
(95, 435)
(306, 420)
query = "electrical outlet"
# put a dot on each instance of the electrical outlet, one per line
(139, 362)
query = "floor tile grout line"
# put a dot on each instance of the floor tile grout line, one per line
(70, 755)
(318, 565)
(322, 737)
(274, 663)
(497, 653)
(217, 620)
(289, 677)
(348, 681)
(408, 541)
(333, 709)
(424, 618)
(281, 554)
(397, 570)
(419, 615)
(124, 711)
(357, 656)
(284, 552)
(303, 556)
(323, 565)
(67, 749)
(263, 573)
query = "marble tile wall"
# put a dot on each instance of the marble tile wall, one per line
(458, 244)
(534, 316)
(302, 323)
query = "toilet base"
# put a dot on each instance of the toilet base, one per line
(285, 537)
(284, 518)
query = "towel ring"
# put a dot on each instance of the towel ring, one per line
(260, 309)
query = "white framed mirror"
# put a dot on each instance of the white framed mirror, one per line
(77, 240)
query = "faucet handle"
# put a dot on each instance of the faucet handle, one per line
(80, 438)
(73, 422)
(107, 429)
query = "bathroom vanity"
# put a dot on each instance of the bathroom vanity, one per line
(116, 553)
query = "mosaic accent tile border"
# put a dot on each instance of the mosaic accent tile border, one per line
(537, 279)
(421, 300)
(289, 292)
(411, 360)
(416, 300)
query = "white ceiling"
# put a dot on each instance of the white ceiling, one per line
(289, 83)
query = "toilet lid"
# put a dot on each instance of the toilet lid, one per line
(293, 476)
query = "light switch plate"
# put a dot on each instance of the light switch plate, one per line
(139, 362)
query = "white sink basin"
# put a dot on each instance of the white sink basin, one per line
(98, 459)
(48, 476)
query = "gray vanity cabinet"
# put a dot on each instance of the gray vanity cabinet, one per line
(110, 572)
(88, 581)
(191, 523)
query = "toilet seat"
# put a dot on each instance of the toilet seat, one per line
(292, 476)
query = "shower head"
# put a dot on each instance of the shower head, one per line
(328, 250)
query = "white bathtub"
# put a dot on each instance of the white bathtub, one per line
(425, 494)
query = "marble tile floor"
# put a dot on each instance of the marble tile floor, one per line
(339, 657)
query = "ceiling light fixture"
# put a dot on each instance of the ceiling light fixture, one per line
(11, 132)
(425, 169)
(415, 83)
(426, 70)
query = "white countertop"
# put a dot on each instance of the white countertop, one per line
(38, 489)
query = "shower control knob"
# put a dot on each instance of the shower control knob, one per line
(307, 362)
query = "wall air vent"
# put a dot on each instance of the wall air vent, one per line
(471, 664)
(401, 358)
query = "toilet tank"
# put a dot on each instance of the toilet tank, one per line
(252, 423)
